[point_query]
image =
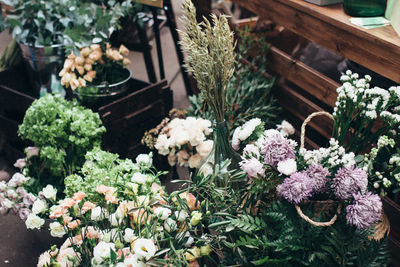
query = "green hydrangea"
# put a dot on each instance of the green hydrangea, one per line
(63, 131)
(105, 168)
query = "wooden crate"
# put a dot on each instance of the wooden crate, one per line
(126, 119)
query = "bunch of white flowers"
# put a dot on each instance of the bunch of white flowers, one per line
(185, 141)
(334, 155)
(357, 108)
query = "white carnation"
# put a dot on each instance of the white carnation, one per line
(39, 206)
(49, 192)
(34, 222)
(102, 251)
(57, 230)
(139, 178)
(144, 160)
(162, 213)
(162, 144)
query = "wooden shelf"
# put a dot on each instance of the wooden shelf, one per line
(377, 49)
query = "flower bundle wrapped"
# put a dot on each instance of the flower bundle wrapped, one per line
(95, 65)
(185, 141)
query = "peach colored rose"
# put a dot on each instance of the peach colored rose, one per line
(102, 189)
(65, 255)
(95, 47)
(89, 61)
(80, 70)
(68, 203)
(111, 199)
(66, 219)
(77, 240)
(95, 55)
(74, 84)
(82, 82)
(85, 51)
(79, 60)
(90, 75)
(117, 56)
(126, 62)
(157, 188)
(109, 53)
(88, 67)
(62, 72)
(78, 196)
(74, 224)
(87, 206)
(123, 50)
(57, 213)
(68, 63)
(91, 232)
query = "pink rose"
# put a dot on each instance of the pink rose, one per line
(31, 151)
(20, 163)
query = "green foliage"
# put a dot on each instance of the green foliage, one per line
(105, 168)
(65, 22)
(63, 131)
(277, 236)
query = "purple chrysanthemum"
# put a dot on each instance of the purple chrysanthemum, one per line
(296, 188)
(253, 167)
(365, 211)
(318, 174)
(349, 181)
(276, 149)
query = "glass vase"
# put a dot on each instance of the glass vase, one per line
(364, 8)
(222, 157)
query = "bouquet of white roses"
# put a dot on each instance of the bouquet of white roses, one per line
(185, 141)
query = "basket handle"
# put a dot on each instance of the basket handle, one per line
(319, 224)
(307, 120)
(302, 139)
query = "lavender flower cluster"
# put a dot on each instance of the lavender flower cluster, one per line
(273, 149)
(348, 184)
(14, 198)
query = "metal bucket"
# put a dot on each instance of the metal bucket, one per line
(44, 64)
(95, 96)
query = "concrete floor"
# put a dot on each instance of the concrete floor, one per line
(20, 247)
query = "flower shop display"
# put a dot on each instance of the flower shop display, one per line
(186, 141)
(210, 57)
(45, 29)
(97, 73)
(62, 133)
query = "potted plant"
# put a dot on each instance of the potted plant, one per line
(45, 28)
(97, 74)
